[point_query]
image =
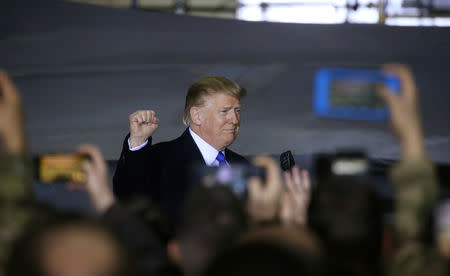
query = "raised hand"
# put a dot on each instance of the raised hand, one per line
(97, 180)
(296, 197)
(404, 112)
(142, 124)
(11, 117)
(264, 198)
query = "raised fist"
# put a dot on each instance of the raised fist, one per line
(142, 124)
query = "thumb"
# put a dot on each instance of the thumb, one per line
(155, 120)
(387, 95)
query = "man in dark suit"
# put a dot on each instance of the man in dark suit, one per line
(212, 114)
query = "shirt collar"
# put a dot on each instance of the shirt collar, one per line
(208, 152)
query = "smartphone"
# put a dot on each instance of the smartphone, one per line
(348, 162)
(287, 160)
(60, 167)
(235, 178)
(344, 93)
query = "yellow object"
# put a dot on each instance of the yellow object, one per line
(62, 167)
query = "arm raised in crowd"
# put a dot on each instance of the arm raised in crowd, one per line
(11, 116)
(272, 201)
(404, 113)
(414, 180)
(15, 169)
(100, 194)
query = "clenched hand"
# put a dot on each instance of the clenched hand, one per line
(142, 124)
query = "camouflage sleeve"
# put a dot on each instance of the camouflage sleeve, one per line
(416, 193)
(15, 196)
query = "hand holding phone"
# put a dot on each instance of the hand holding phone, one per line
(405, 115)
(97, 178)
(264, 196)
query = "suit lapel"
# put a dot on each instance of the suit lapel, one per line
(230, 157)
(190, 150)
(192, 154)
(234, 158)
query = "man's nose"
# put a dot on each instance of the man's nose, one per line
(234, 118)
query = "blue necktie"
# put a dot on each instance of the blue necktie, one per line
(221, 158)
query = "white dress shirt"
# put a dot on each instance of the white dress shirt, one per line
(209, 153)
(138, 147)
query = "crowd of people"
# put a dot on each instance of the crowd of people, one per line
(156, 222)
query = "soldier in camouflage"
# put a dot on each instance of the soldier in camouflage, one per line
(415, 185)
(15, 169)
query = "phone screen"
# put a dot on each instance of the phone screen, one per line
(355, 93)
(235, 178)
(62, 167)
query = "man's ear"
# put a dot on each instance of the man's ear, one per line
(196, 115)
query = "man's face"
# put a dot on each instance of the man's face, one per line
(219, 120)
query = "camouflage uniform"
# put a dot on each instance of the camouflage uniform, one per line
(15, 200)
(416, 194)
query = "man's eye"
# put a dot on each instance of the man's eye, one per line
(237, 110)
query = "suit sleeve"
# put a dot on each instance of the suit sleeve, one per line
(135, 171)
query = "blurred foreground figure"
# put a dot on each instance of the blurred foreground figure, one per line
(15, 170)
(38, 240)
(69, 246)
(34, 239)
(415, 183)
(271, 251)
(213, 220)
(345, 215)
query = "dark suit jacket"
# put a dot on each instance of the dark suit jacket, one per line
(161, 171)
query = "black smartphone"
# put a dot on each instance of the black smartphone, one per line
(347, 162)
(287, 160)
(350, 163)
